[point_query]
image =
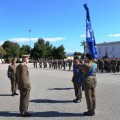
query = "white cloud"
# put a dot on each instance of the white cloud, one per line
(25, 40)
(114, 35)
(22, 40)
(54, 39)
(1, 42)
(82, 36)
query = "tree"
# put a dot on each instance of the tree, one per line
(77, 53)
(59, 52)
(12, 49)
(48, 49)
(25, 49)
(39, 50)
(2, 52)
(83, 43)
(43, 49)
(54, 52)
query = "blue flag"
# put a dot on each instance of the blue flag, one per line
(90, 39)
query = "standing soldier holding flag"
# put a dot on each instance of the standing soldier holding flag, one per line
(89, 83)
(89, 68)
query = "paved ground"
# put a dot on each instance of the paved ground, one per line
(52, 93)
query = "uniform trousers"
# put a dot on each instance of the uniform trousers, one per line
(89, 89)
(24, 100)
(14, 86)
(77, 88)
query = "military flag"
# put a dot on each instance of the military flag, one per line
(90, 39)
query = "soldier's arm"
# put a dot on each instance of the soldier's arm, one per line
(8, 72)
(82, 67)
(23, 76)
(16, 75)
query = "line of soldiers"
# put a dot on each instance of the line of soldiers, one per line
(56, 64)
(104, 65)
(109, 65)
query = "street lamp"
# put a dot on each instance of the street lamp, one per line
(30, 38)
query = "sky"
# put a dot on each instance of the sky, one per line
(62, 22)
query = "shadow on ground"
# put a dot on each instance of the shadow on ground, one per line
(41, 114)
(55, 114)
(8, 114)
(5, 94)
(50, 101)
(60, 89)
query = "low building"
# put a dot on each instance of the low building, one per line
(2, 61)
(111, 48)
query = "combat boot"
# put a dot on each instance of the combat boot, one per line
(88, 113)
(93, 112)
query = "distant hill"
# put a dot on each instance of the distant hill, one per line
(69, 54)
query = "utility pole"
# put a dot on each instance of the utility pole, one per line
(30, 38)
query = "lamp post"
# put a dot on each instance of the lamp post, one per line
(30, 38)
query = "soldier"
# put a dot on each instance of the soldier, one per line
(118, 65)
(50, 63)
(11, 75)
(105, 64)
(40, 63)
(101, 65)
(35, 63)
(76, 82)
(59, 63)
(108, 65)
(114, 64)
(24, 86)
(45, 63)
(55, 64)
(64, 64)
(89, 83)
(70, 64)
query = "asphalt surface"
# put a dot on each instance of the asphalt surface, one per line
(52, 94)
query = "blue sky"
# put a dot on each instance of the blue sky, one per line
(58, 21)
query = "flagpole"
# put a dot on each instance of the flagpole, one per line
(30, 38)
(85, 40)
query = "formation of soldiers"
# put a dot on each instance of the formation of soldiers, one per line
(55, 64)
(109, 65)
(104, 65)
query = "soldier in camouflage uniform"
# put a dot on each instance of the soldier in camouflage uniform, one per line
(12, 76)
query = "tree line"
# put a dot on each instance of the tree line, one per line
(42, 49)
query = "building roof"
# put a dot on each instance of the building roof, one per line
(108, 43)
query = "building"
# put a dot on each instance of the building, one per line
(111, 48)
